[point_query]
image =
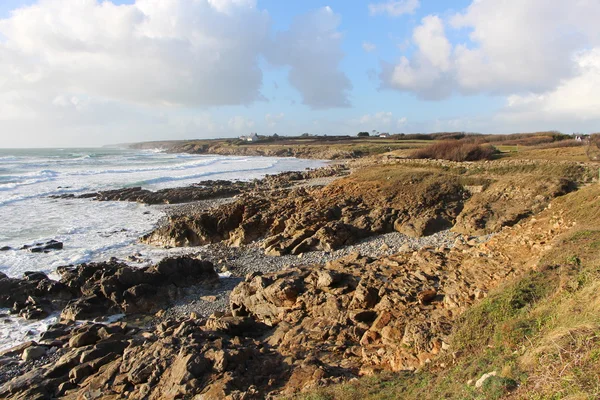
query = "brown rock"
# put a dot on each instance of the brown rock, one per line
(83, 339)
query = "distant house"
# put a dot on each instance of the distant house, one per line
(578, 138)
(252, 138)
(384, 135)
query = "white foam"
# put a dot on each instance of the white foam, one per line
(91, 230)
(95, 231)
(18, 330)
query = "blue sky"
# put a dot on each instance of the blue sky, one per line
(89, 73)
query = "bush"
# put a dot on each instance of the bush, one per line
(363, 134)
(456, 150)
(561, 143)
(525, 139)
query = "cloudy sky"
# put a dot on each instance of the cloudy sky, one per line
(92, 72)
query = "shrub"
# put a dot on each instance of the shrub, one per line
(456, 150)
(561, 143)
(363, 134)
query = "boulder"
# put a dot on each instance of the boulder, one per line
(83, 339)
(46, 247)
(33, 353)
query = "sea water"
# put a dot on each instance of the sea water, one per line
(93, 230)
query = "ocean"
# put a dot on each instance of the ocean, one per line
(93, 230)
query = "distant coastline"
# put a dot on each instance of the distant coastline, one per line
(309, 147)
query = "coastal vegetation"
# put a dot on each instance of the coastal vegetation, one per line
(456, 150)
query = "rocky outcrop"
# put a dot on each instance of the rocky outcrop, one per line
(416, 200)
(203, 191)
(507, 201)
(45, 247)
(104, 288)
(34, 296)
(41, 247)
(95, 290)
(206, 190)
(305, 219)
(177, 359)
(359, 314)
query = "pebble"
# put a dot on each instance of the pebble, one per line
(251, 259)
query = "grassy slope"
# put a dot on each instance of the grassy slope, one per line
(540, 333)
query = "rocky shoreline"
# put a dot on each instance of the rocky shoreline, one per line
(325, 276)
(211, 189)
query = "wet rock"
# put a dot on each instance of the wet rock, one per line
(114, 287)
(33, 297)
(202, 191)
(51, 245)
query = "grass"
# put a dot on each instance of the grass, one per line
(554, 153)
(508, 149)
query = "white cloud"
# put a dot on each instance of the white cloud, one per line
(312, 49)
(514, 47)
(427, 72)
(240, 123)
(172, 52)
(382, 121)
(430, 38)
(66, 65)
(394, 8)
(369, 47)
(573, 103)
(229, 6)
(273, 119)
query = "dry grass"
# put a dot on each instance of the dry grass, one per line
(401, 187)
(576, 154)
(456, 150)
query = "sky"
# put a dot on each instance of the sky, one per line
(91, 72)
